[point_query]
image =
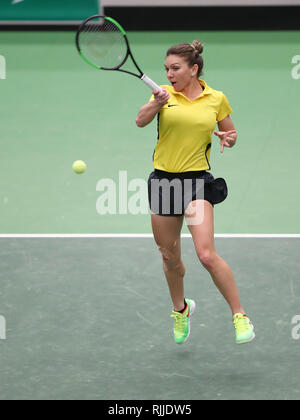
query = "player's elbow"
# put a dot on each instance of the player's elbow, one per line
(139, 122)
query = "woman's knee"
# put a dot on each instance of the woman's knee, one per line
(207, 257)
(170, 255)
(168, 251)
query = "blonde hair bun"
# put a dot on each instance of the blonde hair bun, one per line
(198, 46)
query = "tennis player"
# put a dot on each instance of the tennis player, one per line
(187, 113)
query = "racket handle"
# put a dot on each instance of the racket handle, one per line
(150, 83)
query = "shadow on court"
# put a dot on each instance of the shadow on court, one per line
(90, 319)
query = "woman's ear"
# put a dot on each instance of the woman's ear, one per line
(195, 70)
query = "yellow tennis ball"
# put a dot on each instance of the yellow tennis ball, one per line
(79, 166)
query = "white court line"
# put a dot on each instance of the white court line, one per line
(142, 235)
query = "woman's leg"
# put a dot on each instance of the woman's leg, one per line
(203, 237)
(166, 231)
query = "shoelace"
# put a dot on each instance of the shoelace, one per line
(241, 323)
(179, 320)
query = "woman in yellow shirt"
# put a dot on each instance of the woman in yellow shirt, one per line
(180, 186)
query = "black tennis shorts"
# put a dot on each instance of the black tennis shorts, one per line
(169, 193)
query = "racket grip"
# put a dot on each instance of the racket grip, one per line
(150, 83)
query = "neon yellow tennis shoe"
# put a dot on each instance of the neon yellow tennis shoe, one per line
(244, 330)
(182, 322)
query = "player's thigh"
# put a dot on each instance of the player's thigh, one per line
(166, 232)
(202, 230)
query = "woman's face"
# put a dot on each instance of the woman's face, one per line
(179, 73)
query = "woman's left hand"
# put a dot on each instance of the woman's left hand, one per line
(227, 138)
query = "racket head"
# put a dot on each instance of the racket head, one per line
(101, 41)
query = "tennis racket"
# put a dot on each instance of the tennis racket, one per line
(103, 43)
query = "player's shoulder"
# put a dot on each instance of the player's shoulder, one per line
(215, 92)
(218, 93)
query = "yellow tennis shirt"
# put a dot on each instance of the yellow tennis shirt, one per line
(185, 128)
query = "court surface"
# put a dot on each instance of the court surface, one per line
(56, 109)
(89, 318)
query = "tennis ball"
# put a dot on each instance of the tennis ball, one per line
(79, 166)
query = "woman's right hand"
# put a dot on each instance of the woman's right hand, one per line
(161, 97)
(147, 113)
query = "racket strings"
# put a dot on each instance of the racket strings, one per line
(102, 42)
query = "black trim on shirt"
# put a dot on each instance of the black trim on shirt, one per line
(206, 150)
(158, 116)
